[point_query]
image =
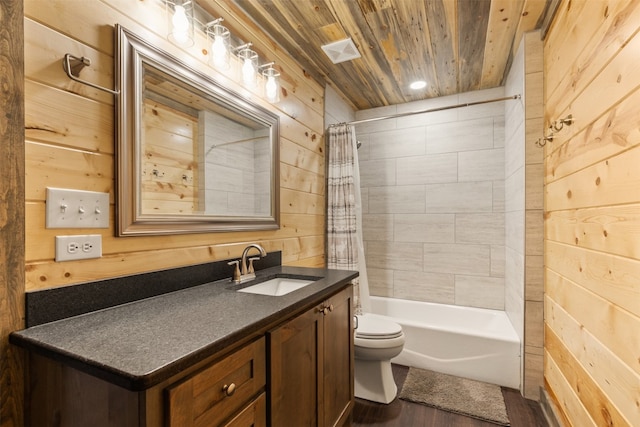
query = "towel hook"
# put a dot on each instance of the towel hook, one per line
(541, 142)
(554, 128)
(559, 124)
(72, 65)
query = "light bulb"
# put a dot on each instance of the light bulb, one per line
(180, 20)
(219, 52)
(271, 88)
(248, 72)
(180, 25)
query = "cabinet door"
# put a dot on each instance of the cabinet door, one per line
(311, 366)
(338, 359)
(293, 373)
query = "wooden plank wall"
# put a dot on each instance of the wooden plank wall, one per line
(533, 218)
(12, 240)
(70, 141)
(592, 203)
(170, 166)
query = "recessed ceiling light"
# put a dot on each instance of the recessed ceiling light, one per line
(419, 84)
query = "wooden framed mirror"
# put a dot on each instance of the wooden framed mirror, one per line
(192, 156)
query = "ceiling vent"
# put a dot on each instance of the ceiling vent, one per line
(341, 51)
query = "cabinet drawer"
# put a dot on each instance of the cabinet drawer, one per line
(253, 415)
(212, 395)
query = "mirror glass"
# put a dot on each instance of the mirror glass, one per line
(193, 156)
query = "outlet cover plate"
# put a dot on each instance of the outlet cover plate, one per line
(82, 246)
(76, 209)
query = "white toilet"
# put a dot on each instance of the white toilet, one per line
(376, 342)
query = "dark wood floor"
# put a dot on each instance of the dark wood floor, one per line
(401, 413)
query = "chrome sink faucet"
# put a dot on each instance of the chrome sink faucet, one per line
(244, 271)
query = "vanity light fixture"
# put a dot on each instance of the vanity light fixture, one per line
(249, 59)
(186, 16)
(180, 16)
(271, 84)
(418, 84)
(219, 37)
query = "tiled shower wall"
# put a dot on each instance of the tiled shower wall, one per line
(336, 110)
(434, 201)
(234, 177)
(524, 209)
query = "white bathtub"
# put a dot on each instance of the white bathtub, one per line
(468, 342)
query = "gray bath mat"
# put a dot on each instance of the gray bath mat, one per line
(460, 395)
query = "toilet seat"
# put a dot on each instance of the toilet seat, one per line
(373, 328)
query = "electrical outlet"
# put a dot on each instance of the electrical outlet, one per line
(84, 246)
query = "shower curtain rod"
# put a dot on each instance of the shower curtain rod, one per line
(255, 138)
(432, 110)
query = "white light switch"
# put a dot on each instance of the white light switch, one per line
(77, 209)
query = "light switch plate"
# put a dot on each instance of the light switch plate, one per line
(76, 209)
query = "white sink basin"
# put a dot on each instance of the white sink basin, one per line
(278, 286)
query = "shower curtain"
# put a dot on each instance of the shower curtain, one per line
(345, 249)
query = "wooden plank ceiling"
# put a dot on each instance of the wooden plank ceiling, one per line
(454, 45)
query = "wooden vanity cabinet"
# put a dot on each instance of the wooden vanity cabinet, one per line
(311, 361)
(228, 391)
(311, 366)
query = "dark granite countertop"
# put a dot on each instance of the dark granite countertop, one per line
(140, 344)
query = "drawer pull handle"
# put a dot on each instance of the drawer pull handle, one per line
(327, 309)
(229, 389)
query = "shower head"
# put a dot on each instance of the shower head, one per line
(358, 144)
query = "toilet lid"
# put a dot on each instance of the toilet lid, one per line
(375, 328)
